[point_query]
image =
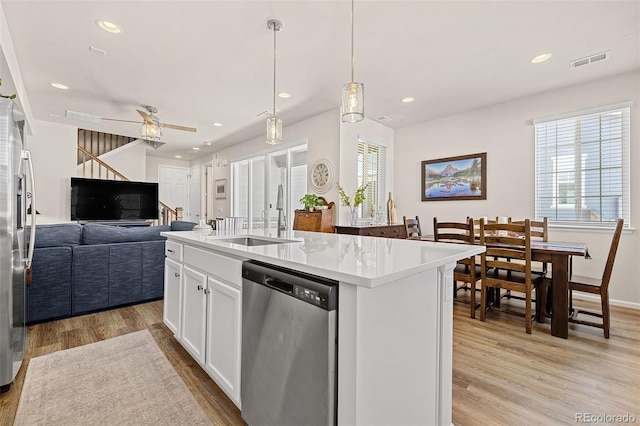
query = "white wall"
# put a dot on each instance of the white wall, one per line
(506, 133)
(321, 133)
(54, 153)
(129, 160)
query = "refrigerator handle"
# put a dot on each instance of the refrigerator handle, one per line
(26, 155)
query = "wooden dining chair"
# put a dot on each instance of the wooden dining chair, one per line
(506, 264)
(539, 232)
(412, 227)
(596, 286)
(466, 271)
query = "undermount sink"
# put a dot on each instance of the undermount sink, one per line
(252, 241)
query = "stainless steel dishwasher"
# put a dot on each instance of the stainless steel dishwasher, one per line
(289, 347)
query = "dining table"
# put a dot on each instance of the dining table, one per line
(559, 254)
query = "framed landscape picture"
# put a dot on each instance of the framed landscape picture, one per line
(455, 178)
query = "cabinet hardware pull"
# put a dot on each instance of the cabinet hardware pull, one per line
(177, 274)
(170, 251)
(200, 287)
(207, 291)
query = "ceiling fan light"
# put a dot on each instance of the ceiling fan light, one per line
(274, 130)
(150, 131)
(352, 102)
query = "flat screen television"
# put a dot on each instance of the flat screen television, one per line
(105, 200)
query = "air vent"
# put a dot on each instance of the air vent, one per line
(590, 59)
(73, 115)
(97, 51)
(383, 118)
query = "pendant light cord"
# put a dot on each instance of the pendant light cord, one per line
(352, 55)
(275, 30)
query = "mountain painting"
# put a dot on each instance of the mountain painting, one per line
(455, 178)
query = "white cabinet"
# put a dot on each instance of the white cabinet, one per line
(194, 309)
(172, 295)
(203, 308)
(224, 336)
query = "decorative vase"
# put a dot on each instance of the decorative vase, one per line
(354, 217)
(390, 207)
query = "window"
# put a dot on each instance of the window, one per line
(582, 168)
(255, 185)
(371, 170)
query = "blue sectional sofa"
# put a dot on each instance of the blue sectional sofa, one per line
(79, 269)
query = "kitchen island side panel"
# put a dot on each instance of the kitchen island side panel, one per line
(394, 352)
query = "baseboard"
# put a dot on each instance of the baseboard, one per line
(613, 302)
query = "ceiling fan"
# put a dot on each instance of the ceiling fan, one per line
(151, 125)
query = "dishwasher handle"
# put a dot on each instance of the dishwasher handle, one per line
(279, 285)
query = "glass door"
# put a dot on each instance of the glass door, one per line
(266, 189)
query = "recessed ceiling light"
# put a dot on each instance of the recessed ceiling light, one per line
(284, 95)
(109, 26)
(540, 58)
(218, 124)
(208, 143)
(408, 99)
(60, 86)
(178, 156)
(195, 148)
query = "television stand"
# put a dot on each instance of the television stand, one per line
(126, 223)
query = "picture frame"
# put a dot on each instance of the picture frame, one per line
(221, 188)
(455, 178)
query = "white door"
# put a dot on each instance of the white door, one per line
(194, 310)
(193, 213)
(224, 337)
(173, 186)
(172, 278)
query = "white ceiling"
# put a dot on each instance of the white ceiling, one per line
(201, 62)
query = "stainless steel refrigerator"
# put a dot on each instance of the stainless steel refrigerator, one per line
(16, 192)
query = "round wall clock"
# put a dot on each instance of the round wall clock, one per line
(322, 175)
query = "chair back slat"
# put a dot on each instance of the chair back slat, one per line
(453, 232)
(412, 226)
(539, 229)
(606, 276)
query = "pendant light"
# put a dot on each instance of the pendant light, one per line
(352, 93)
(274, 124)
(150, 131)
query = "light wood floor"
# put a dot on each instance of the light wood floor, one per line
(501, 375)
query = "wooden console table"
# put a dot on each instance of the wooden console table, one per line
(385, 231)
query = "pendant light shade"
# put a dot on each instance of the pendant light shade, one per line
(274, 130)
(352, 109)
(150, 131)
(274, 123)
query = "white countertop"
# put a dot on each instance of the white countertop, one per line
(354, 259)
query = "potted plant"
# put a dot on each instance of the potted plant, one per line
(310, 202)
(358, 198)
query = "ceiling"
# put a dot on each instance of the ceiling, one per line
(201, 62)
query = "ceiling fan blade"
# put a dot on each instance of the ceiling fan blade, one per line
(146, 116)
(175, 127)
(124, 121)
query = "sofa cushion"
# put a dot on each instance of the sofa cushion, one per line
(182, 225)
(106, 234)
(56, 235)
(49, 294)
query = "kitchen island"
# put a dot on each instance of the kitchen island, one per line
(394, 315)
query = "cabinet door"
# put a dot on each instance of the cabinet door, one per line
(224, 337)
(172, 294)
(194, 309)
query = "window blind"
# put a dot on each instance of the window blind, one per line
(582, 169)
(372, 171)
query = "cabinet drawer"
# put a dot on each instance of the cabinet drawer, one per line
(223, 267)
(173, 250)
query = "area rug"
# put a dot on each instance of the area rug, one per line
(126, 380)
